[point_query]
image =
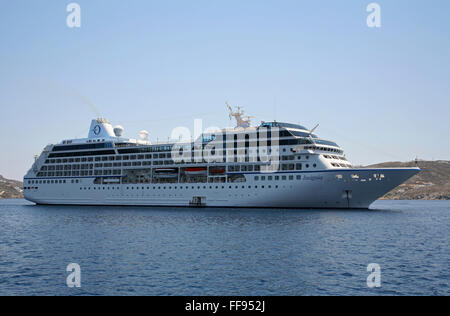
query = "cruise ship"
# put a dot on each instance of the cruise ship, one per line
(273, 165)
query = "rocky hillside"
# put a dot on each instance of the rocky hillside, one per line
(10, 189)
(433, 183)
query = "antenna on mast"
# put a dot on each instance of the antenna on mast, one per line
(311, 132)
(229, 109)
(241, 119)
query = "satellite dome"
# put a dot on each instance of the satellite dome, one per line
(118, 131)
(144, 135)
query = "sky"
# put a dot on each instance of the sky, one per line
(383, 94)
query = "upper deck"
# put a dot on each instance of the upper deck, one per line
(105, 153)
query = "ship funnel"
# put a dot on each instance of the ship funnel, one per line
(101, 128)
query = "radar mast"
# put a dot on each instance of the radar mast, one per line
(238, 114)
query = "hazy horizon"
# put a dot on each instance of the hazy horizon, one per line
(380, 93)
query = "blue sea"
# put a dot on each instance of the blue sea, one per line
(182, 251)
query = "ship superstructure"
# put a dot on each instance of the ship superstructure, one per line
(275, 164)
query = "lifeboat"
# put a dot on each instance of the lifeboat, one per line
(166, 173)
(217, 171)
(199, 171)
(111, 180)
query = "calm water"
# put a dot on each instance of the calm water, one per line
(162, 251)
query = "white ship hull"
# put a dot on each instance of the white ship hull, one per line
(349, 188)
